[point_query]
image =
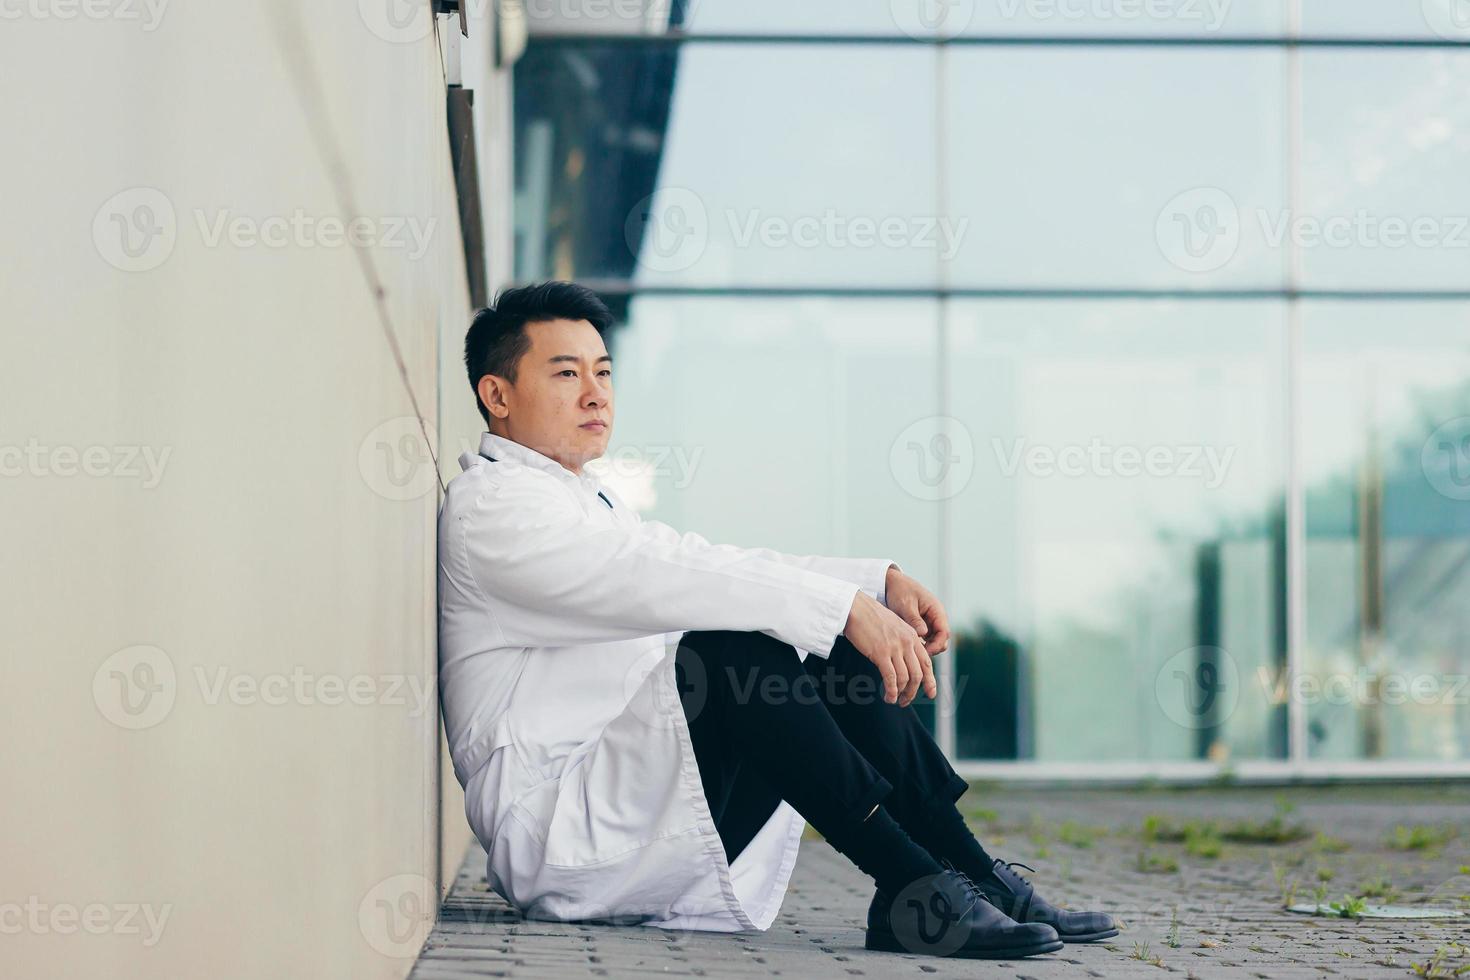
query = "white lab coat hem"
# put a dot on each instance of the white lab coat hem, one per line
(694, 785)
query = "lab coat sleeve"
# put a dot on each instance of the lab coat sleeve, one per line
(552, 579)
(868, 574)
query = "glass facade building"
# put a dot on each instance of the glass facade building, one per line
(1140, 331)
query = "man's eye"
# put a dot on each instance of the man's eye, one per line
(568, 371)
(605, 372)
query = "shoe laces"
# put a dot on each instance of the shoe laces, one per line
(968, 883)
(1015, 864)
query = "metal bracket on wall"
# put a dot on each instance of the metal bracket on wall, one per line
(454, 7)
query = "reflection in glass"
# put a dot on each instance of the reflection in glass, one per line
(844, 196)
(1387, 461)
(1117, 549)
(1386, 149)
(1115, 167)
(1420, 19)
(768, 422)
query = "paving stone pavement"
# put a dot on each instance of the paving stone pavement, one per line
(1188, 914)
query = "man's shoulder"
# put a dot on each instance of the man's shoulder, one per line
(503, 482)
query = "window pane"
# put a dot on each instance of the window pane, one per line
(1386, 202)
(1116, 545)
(1117, 167)
(1448, 19)
(1386, 397)
(802, 177)
(768, 422)
(780, 166)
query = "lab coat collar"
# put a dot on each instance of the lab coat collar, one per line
(498, 448)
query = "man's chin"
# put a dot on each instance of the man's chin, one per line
(593, 445)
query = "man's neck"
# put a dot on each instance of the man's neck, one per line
(574, 470)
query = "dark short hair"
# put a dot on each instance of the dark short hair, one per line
(497, 336)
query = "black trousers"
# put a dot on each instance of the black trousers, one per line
(768, 726)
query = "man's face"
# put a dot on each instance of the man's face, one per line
(563, 389)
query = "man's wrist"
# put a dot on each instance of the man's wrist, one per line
(888, 579)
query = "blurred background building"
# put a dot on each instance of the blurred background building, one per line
(1139, 329)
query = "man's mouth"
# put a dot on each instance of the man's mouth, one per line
(594, 426)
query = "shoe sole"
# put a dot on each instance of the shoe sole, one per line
(1091, 937)
(886, 942)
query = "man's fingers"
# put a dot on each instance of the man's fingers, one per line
(941, 625)
(901, 677)
(890, 681)
(937, 643)
(914, 616)
(926, 670)
(916, 677)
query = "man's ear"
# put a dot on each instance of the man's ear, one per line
(492, 391)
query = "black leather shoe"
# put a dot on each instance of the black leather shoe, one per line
(947, 915)
(1016, 897)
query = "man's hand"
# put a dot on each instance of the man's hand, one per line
(918, 607)
(894, 647)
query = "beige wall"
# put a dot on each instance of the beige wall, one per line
(267, 564)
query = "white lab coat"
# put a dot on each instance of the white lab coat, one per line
(560, 609)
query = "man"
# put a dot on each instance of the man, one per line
(643, 721)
